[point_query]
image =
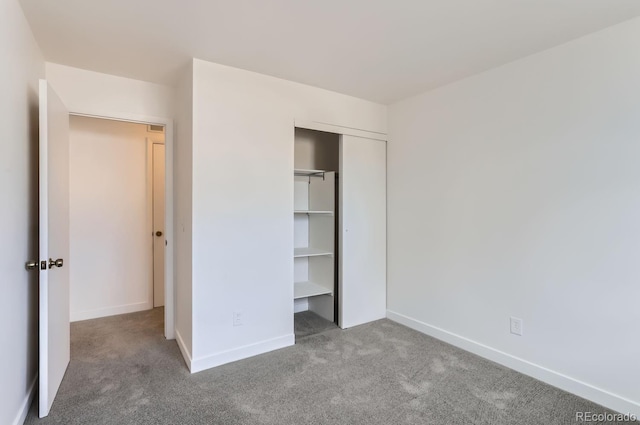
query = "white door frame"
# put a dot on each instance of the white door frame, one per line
(169, 294)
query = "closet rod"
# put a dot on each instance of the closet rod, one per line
(309, 174)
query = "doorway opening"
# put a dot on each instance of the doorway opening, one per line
(316, 236)
(117, 217)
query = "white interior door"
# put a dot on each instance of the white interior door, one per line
(363, 230)
(158, 225)
(54, 245)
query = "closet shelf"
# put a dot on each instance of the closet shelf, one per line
(309, 289)
(310, 252)
(308, 173)
(312, 212)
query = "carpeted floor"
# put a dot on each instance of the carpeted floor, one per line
(124, 372)
(308, 323)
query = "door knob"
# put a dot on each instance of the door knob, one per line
(158, 233)
(55, 263)
(32, 265)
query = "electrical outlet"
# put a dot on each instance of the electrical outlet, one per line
(516, 326)
(237, 318)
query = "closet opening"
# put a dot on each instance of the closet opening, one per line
(316, 245)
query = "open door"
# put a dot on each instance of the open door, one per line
(158, 225)
(54, 246)
(363, 231)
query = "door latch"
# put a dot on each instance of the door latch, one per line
(33, 265)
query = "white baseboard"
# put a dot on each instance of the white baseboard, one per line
(24, 407)
(76, 316)
(186, 354)
(557, 379)
(240, 353)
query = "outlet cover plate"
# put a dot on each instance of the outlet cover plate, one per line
(237, 318)
(516, 326)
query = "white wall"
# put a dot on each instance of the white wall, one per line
(183, 163)
(94, 93)
(517, 193)
(22, 66)
(243, 158)
(110, 217)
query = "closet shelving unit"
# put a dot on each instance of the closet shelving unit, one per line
(310, 252)
(308, 173)
(312, 212)
(314, 236)
(308, 289)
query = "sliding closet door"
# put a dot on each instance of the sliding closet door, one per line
(363, 230)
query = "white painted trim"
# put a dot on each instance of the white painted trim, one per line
(26, 404)
(203, 363)
(169, 294)
(186, 355)
(331, 128)
(111, 311)
(119, 116)
(551, 377)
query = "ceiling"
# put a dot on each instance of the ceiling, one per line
(381, 50)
